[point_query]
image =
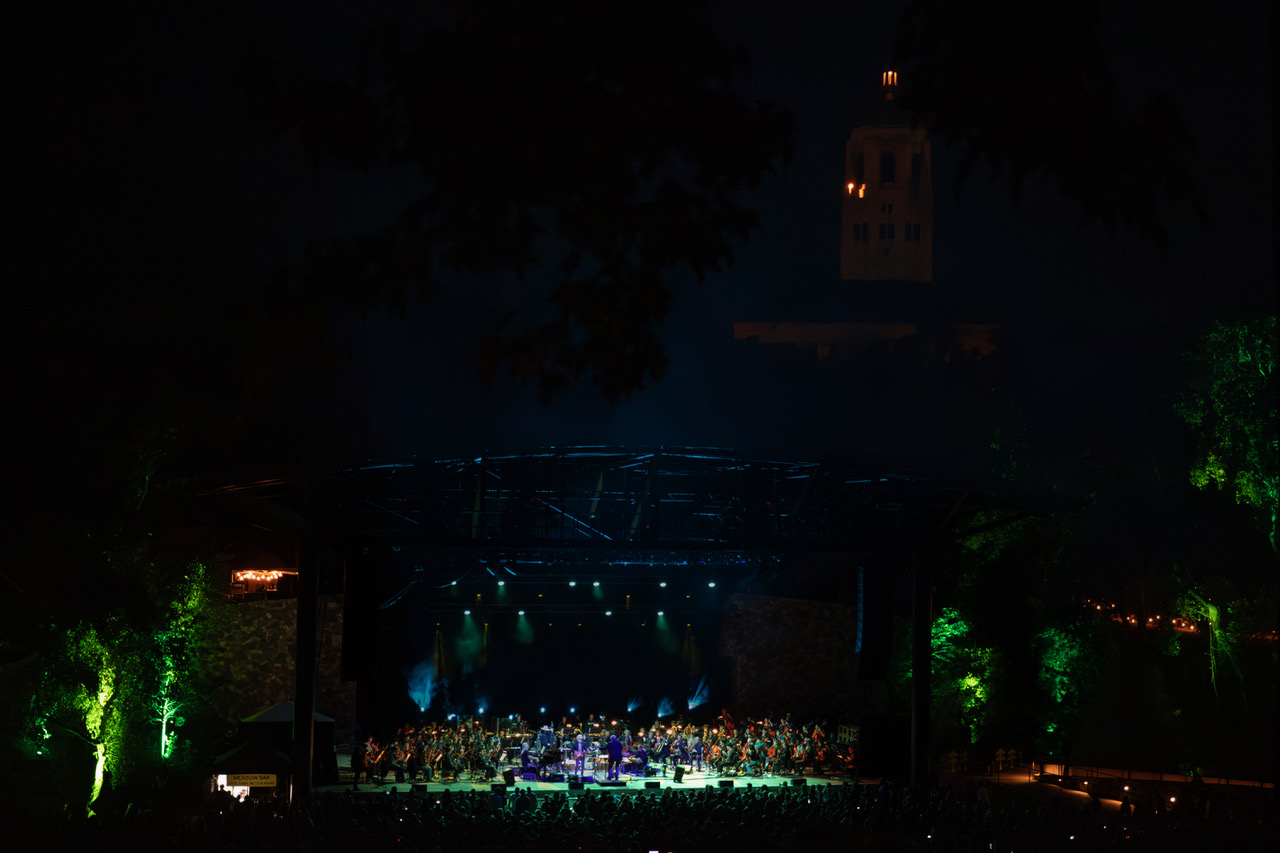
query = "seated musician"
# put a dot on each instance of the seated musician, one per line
(639, 760)
(449, 764)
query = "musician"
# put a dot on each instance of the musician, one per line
(358, 764)
(615, 756)
(550, 757)
(639, 761)
(374, 757)
(664, 753)
(580, 755)
(697, 752)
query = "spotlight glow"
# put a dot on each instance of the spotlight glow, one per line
(659, 612)
(573, 583)
(466, 613)
(502, 583)
(663, 584)
(521, 612)
(711, 584)
(595, 583)
(608, 613)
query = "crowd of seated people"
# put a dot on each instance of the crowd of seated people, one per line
(882, 816)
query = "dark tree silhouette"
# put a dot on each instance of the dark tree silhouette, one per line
(600, 141)
(1028, 89)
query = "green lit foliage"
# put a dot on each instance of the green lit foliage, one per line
(1060, 652)
(1232, 407)
(964, 675)
(1212, 603)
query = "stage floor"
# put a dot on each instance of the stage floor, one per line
(693, 780)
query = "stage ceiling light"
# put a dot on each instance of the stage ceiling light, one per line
(521, 612)
(663, 584)
(713, 583)
(502, 583)
(573, 583)
(608, 613)
(466, 613)
(597, 583)
(659, 612)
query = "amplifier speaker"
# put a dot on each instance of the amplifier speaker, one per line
(679, 774)
(509, 777)
(726, 783)
(654, 784)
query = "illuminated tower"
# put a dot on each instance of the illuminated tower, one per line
(887, 222)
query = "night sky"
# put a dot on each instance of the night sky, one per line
(152, 212)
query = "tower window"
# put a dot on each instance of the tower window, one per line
(861, 232)
(888, 165)
(886, 208)
(886, 230)
(911, 232)
(917, 173)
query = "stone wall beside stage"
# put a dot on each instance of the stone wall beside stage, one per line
(252, 661)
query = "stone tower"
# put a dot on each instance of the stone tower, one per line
(887, 221)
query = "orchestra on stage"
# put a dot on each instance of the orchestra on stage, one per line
(582, 750)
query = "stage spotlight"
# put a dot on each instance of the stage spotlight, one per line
(453, 583)
(573, 710)
(521, 612)
(663, 584)
(542, 710)
(481, 709)
(573, 583)
(504, 583)
(711, 584)
(659, 612)
(596, 583)
(608, 613)
(466, 613)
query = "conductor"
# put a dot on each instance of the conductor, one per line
(615, 756)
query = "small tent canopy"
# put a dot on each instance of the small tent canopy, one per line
(252, 757)
(274, 726)
(282, 712)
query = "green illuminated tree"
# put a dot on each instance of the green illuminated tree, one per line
(1213, 603)
(114, 634)
(1232, 408)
